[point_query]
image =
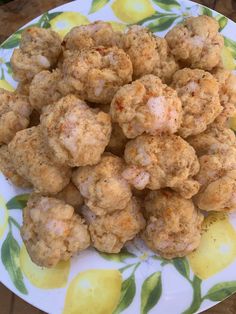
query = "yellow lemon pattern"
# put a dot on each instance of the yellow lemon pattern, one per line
(5, 85)
(232, 123)
(227, 59)
(94, 291)
(132, 11)
(118, 27)
(217, 249)
(3, 216)
(44, 278)
(64, 22)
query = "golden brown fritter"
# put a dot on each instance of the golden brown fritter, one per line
(148, 53)
(92, 35)
(156, 162)
(109, 233)
(118, 140)
(214, 140)
(148, 106)
(95, 74)
(199, 94)
(227, 93)
(76, 134)
(140, 44)
(71, 196)
(196, 42)
(32, 161)
(14, 114)
(217, 177)
(8, 169)
(39, 50)
(173, 224)
(51, 231)
(166, 66)
(44, 89)
(102, 185)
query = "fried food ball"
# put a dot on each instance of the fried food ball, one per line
(76, 134)
(196, 42)
(95, 74)
(102, 185)
(14, 114)
(217, 177)
(32, 161)
(109, 233)
(173, 224)
(199, 94)
(117, 141)
(166, 66)
(51, 231)
(71, 195)
(148, 53)
(39, 50)
(44, 89)
(160, 161)
(140, 44)
(227, 92)
(148, 106)
(8, 169)
(214, 140)
(92, 35)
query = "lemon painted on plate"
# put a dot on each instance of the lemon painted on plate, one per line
(227, 59)
(132, 11)
(64, 22)
(217, 249)
(44, 278)
(94, 291)
(118, 27)
(5, 85)
(3, 216)
(232, 123)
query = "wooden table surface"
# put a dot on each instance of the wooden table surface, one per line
(12, 16)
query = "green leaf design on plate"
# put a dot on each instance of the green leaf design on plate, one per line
(231, 44)
(97, 5)
(12, 41)
(9, 68)
(206, 11)
(181, 264)
(167, 5)
(10, 258)
(45, 24)
(221, 290)
(11, 221)
(151, 292)
(155, 16)
(222, 22)
(53, 14)
(161, 24)
(197, 297)
(128, 290)
(119, 257)
(17, 202)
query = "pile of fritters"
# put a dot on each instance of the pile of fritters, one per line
(119, 135)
